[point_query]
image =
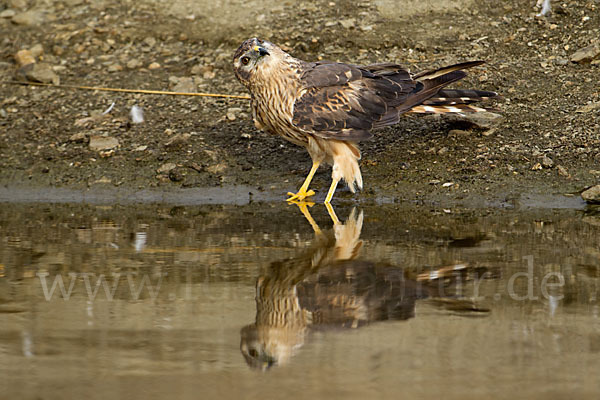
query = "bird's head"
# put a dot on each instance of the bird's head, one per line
(256, 57)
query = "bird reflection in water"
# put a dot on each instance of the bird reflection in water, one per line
(326, 286)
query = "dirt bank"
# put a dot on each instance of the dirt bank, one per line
(547, 143)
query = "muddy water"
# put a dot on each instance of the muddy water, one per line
(241, 301)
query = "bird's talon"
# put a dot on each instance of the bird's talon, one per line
(301, 195)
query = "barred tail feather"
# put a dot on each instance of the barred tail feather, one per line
(444, 109)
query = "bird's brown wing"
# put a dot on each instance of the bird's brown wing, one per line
(345, 102)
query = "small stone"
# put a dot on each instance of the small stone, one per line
(458, 132)
(536, 167)
(480, 120)
(165, 168)
(176, 175)
(563, 171)
(150, 41)
(589, 107)
(217, 168)
(79, 137)
(29, 18)
(348, 23)
(102, 181)
(592, 195)
(140, 148)
(134, 63)
(586, 55)
(8, 13)
(37, 50)
(184, 85)
(100, 143)
(154, 65)
(447, 184)
(547, 162)
(561, 61)
(114, 68)
(24, 58)
(230, 116)
(42, 72)
(178, 140)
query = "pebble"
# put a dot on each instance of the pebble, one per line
(586, 55)
(563, 171)
(114, 68)
(42, 72)
(547, 162)
(78, 137)
(100, 143)
(480, 120)
(592, 195)
(24, 58)
(348, 23)
(134, 63)
(37, 50)
(183, 85)
(154, 65)
(8, 13)
(178, 140)
(589, 107)
(29, 18)
(165, 168)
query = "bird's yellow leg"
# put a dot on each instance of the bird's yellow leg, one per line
(332, 215)
(304, 192)
(303, 206)
(331, 191)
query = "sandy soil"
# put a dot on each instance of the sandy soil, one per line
(547, 143)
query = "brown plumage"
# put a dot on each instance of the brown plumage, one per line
(328, 107)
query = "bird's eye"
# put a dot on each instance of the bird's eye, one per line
(245, 60)
(253, 353)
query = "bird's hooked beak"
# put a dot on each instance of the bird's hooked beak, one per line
(261, 51)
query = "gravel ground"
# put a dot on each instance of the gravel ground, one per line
(547, 142)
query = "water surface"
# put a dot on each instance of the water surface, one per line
(242, 301)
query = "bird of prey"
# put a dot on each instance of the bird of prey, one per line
(328, 107)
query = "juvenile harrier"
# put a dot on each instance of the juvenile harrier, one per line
(328, 107)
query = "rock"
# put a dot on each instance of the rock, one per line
(24, 58)
(563, 171)
(8, 13)
(154, 65)
(547, 162)
(561, 61)
(165, 168)
(217, 168)
(79, 137)
(586, 55)
(134, 63)
(114, 68)
(183, 85)
(458, 132)
(592, 195)
(29, 18)
(100, 143)
(42, 72)
(588, 108)
(348, 23)
(178, 140)
(479, 120)
(37, 50)
(176, 175)
(141, 148)
(20, 4)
